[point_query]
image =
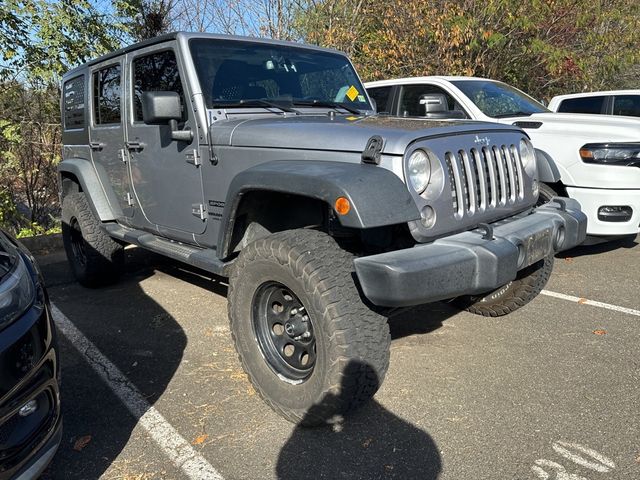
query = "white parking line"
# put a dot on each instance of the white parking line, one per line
(180, 452)
(593, 303)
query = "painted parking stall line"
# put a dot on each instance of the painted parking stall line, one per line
(174, 446)
(593, 303)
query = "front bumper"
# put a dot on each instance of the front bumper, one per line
(29, 371)
(591, 199)
(471, 262)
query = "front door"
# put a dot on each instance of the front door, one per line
(166, 180)
(106, 133)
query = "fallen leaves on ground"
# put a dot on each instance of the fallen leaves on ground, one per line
(600, 332)
(81, 443)
(582, 301)
(200, 439)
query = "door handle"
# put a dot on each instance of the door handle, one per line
(96, 145)
(135, 145)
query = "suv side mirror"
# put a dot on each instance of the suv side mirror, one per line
(434, 103)
(160, 108)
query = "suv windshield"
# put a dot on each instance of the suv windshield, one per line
(496, 99)
(231, 72)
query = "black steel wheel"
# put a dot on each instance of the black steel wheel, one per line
(284, 331)
(311, 347)
(95, 258)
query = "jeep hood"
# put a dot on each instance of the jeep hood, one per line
(340, 132)
(594, 128)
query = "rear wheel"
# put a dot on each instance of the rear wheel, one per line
(310, 346)
(95, 258)
(516, 294)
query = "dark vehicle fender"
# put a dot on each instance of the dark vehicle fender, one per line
(547, 170)
(377, 196)
(83, 170)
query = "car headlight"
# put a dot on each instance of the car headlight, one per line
(527, 154)
(625, 154)
(419, 170)
(17, 291)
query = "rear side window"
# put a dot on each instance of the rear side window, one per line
(73, 103)
(157, 72)
(107, 95)
(628, 105)
(382, 96)
(582, 105)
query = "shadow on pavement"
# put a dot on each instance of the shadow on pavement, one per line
(603, 247)
(137, 335)
(369, 444)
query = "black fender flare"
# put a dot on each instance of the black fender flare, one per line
(377, 196)
(547, 169)
(104, 207)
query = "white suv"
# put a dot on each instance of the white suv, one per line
(614, 102)
(592, 158)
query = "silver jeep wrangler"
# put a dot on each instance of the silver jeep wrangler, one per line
(263, 161)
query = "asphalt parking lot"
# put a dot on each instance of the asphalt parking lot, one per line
(152, 387)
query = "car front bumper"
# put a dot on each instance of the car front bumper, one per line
(471, 262)
(29, 371)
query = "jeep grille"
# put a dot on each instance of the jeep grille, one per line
(484, 179)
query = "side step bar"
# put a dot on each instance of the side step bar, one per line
(204, 258)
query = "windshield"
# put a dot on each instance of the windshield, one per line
(496, 99)
(231, 72)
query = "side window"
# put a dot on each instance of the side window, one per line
(74, 103)
(410, 99)
(627, 105)
(382, 96)
(157, 72)
(582, 105)
(106, 95)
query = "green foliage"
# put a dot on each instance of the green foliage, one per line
(543, 47)
(34, 230)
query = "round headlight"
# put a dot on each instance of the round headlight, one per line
(527, 153)
(419, 170)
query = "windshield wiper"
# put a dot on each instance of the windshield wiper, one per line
(326, 103)
(255, 102)
(514, 114)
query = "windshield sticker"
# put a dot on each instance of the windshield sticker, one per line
(352, 93)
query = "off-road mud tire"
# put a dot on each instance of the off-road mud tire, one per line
(512, 296)
(95, 258)
(352, 341)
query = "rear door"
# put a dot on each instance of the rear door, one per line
(165, 173)
(106, 133)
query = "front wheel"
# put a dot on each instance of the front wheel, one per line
(309, 345)
(516, 294)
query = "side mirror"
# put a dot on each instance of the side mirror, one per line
(159, 108)
(434, 103)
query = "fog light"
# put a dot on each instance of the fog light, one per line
(428, 216)
(611, 213)
(28, 408)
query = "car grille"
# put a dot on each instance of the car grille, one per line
(484, 179)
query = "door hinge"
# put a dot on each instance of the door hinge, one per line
(123, 155)
(129, 199)
(193, 158)
(199, 211)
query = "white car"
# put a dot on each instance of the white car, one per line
(591, 158)
(613, 102)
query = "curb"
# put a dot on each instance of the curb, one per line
(43, 244)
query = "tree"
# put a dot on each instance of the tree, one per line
(543, 47)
